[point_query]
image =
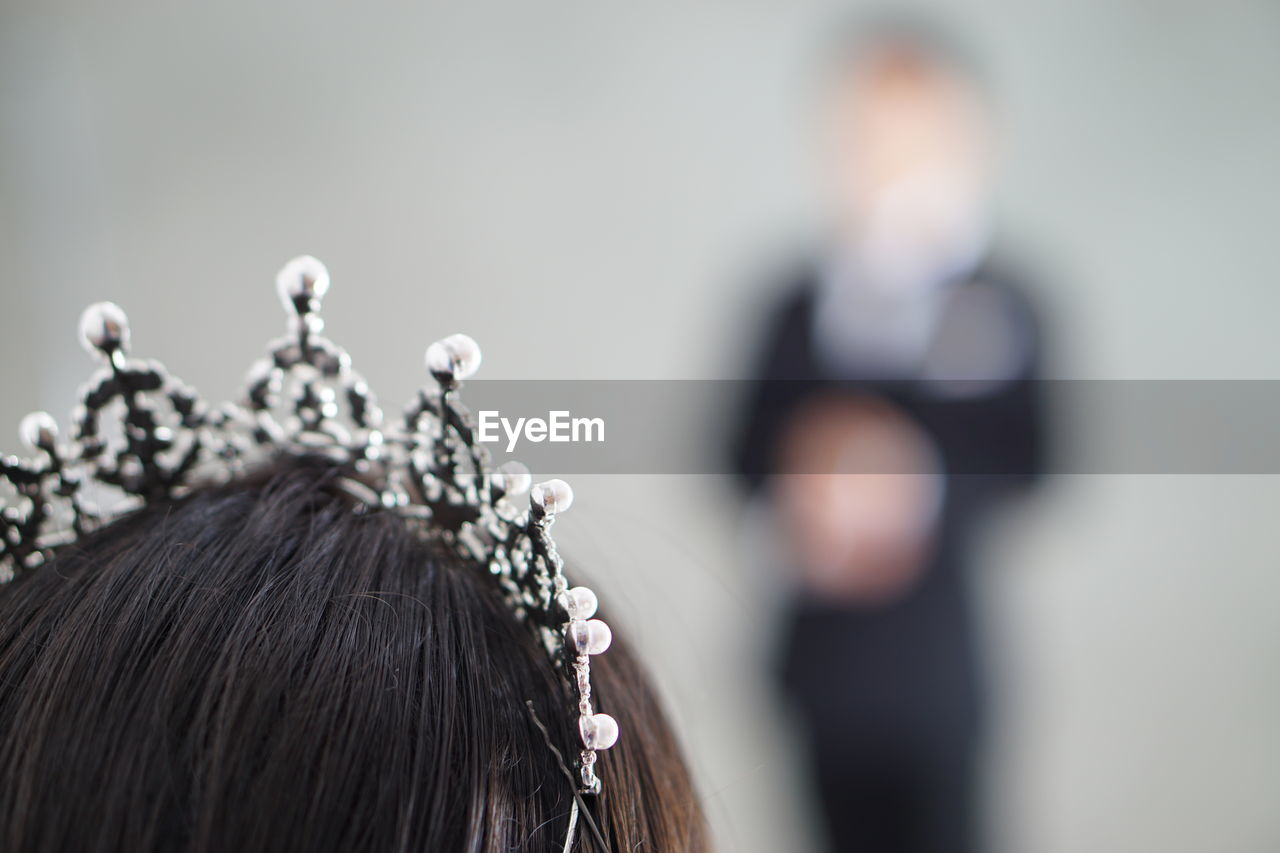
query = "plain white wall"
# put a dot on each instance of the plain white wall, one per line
(598, 190)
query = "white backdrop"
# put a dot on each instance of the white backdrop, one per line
(598, 190)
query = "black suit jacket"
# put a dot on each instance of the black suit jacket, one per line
(914, 657)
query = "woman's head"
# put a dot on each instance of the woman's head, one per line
(258, 666)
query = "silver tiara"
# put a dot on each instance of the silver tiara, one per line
(139, 435)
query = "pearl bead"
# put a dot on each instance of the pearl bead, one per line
(455, 357)
(580, 602)
(301, 283)
(39, 430)
(104, 329)
(552, 496)
(514, 478)
(599, 731)
(591, 637)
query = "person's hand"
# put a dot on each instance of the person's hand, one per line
(858, 497)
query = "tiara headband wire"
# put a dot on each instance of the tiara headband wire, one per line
(577, 806)
(139, 436)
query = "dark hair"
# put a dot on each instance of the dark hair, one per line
(904, 43)
(258, 667)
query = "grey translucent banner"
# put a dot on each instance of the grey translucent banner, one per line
(697, 426)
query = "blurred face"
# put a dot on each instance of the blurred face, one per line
(908, 154)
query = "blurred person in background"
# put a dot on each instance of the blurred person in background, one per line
(892, 405)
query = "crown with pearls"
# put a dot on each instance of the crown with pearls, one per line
(139, 435)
